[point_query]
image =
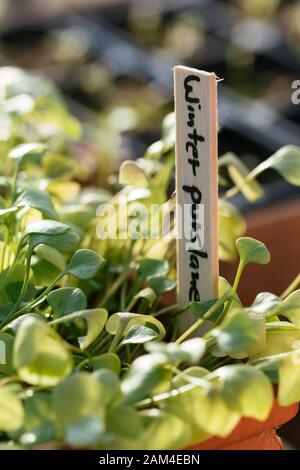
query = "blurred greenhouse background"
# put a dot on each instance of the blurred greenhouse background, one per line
(113, 60)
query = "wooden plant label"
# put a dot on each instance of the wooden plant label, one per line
(196, 186)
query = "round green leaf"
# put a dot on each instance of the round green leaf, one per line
(58, 166)
(40, 357)
(5, 311)
(50, 232)
(107, 361)
(118, 418)
(205, 410)
(189, 352)
(139, 334)
(252, 251)
(289, 379)
(155, 150)
(201, 308)
(66, 241)
(79, 215)
(265, 303)
(47, 227)
(121, 322)
(11, 410)
(246, 390)
(231, 226)
(280, 340)
(130, 173)
(52, 255)
(290, 308)
(39, 200)
(9, 210)
(149, 268)
(6, 350)
(160, 285)
(241, 335)
(14, 325)
(144, 375)
(84, 264)
(168, 131)
(287, 162)
(164, 430)
(13, 289)
(44, 272)
(147, 294)
(37, 436)
(28, 152)
(110, 384)
(95, 318)
(38, 427)
(85, 432)
(80, 395)
(66, 300)
(214, 416)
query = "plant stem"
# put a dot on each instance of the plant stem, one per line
(235, 286)
(7, 380)
(191, 330)
(98, 346)
(40, 298)
(133, 352)
(123, 296)
(77, 350)
(115, 286)
(165, 310)
(166, 395)
(199, 322)
(251, 176)
(116, 340)
(25, 283)
(14, 183)
(83, 363)
(293, 286)
(238, 276)
(3, 258)
(179, 312)
(131, 305)
(223, 362)
(11, 267)
(32, 304)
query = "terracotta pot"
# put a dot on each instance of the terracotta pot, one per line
(251, 434)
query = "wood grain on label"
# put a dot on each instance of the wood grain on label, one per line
(196, 186)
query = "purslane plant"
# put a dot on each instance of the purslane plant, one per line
(90, 354)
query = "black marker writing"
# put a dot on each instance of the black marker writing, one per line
(193, 138)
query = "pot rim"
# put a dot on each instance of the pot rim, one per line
(249, 427)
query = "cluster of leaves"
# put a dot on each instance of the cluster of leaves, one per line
(33, 110)
(87, 341)
(236, 176)
(147, 180)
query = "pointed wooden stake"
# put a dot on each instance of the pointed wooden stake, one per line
(196, 187)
